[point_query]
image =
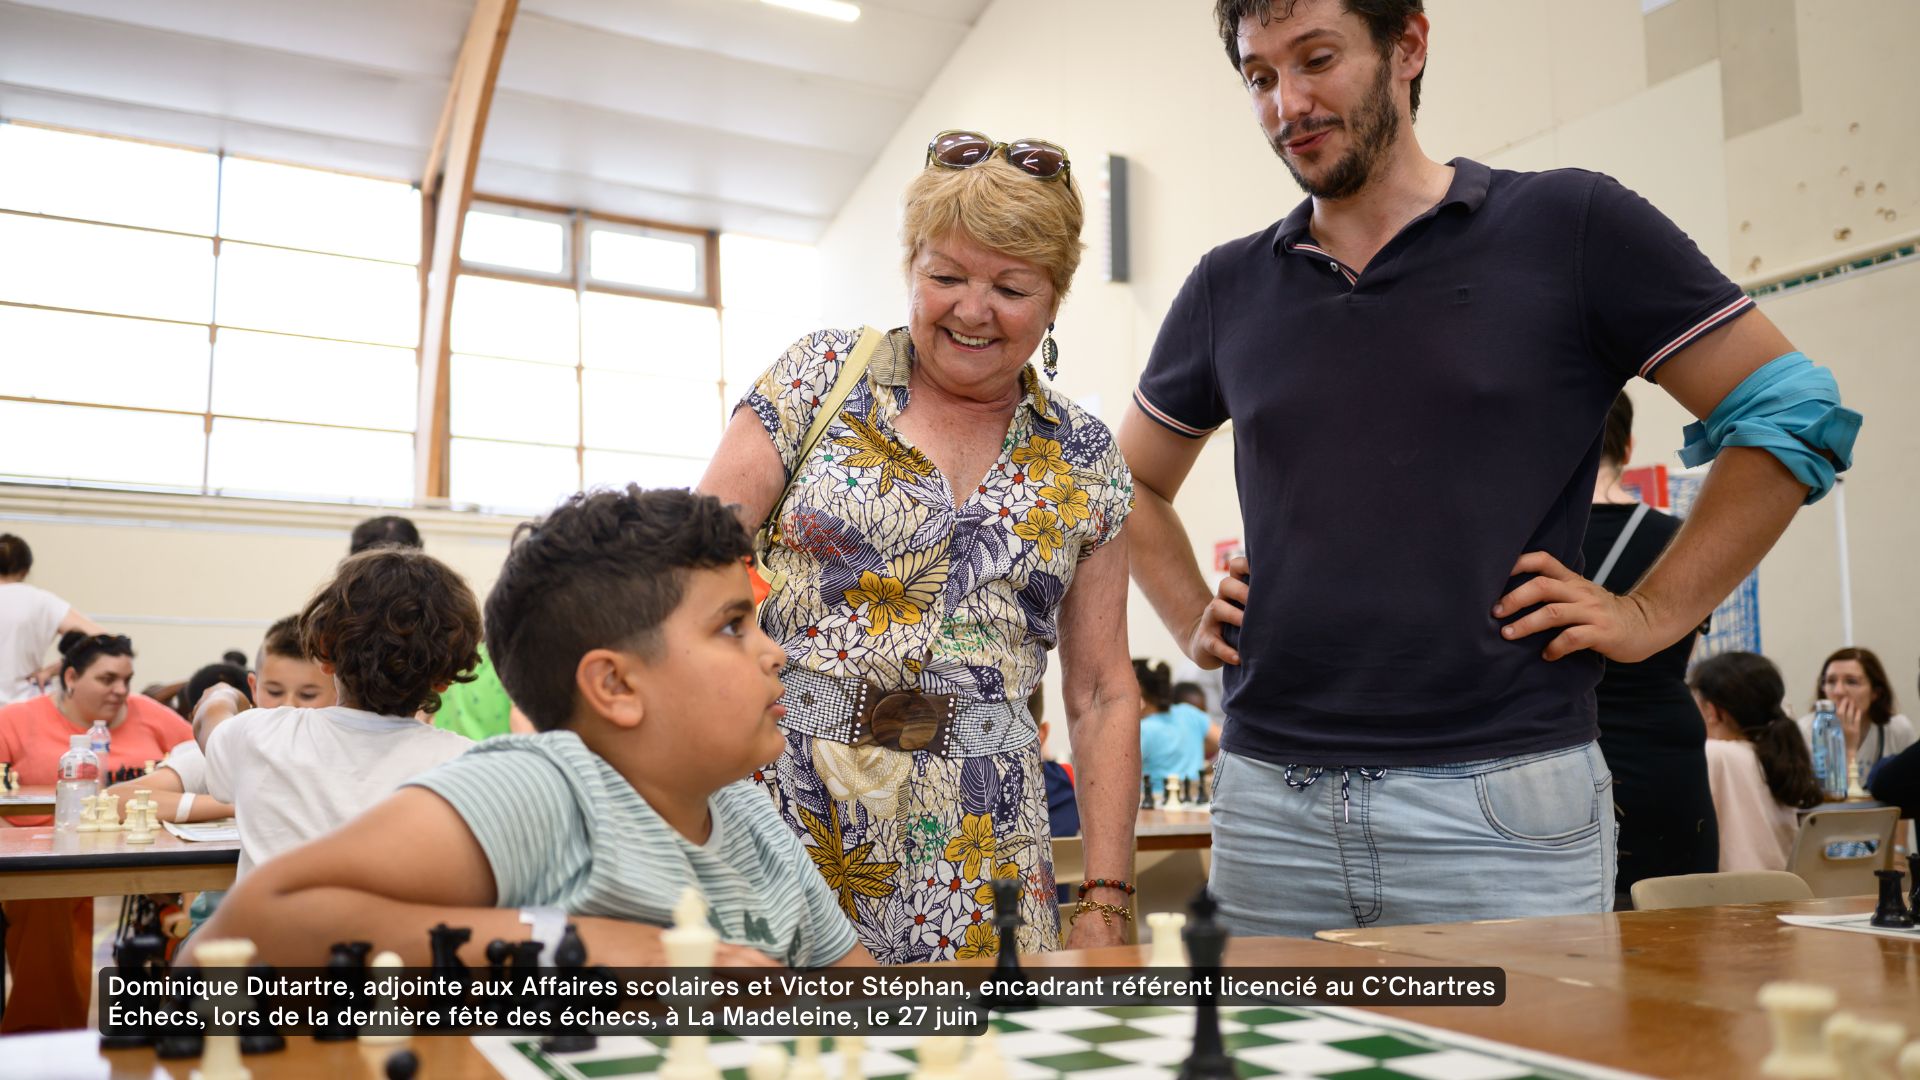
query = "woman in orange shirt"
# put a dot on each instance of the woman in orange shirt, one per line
(49, 942)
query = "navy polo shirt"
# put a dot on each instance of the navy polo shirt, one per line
(1404, 434)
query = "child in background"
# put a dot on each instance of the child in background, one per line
(1757, 767)
(282, 675)
(30, 619)
(394, 627)
(623, 626)
(1173, 735)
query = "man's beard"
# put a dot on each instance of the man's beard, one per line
(1374, 127)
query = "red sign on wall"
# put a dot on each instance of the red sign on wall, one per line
(1224, 550)
(1649, 482)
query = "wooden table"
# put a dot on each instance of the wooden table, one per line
(40, 864)
(1172, 830)
(1711, 957)
(1665, 994)
(29, 801)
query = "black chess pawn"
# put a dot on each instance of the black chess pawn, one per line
(1146, 792)
(260, 1036)
(1913, 879)
(570, 957)
(1206, 944)
(402, 1065)
(346, 963)
(181, 1040)
(498, 952)
(1891, 913)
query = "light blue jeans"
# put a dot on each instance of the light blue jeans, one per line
(1301, 848)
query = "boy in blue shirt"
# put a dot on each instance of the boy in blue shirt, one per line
(622, 625)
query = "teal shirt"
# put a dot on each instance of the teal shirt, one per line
(562, 828)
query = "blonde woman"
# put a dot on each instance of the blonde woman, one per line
(958, 520)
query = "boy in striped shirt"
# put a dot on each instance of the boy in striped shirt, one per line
(622, 626)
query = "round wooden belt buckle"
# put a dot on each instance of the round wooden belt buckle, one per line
(907, 721)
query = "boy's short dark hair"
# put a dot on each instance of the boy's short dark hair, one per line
(208, 677)
(388, 530)
(395, 623)
(604, 570)
(15, 556)
(283, 640)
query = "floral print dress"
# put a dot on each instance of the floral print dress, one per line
(879, 575)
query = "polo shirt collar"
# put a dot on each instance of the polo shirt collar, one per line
(1468, 190)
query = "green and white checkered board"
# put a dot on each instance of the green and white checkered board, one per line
(1115, 1042)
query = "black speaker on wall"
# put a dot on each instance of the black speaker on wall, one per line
(1117, 257)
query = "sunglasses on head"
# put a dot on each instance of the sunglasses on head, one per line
(965, 149)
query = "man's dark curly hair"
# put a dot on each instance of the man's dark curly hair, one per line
(602, 571)
(395, 623)
(1386, 20)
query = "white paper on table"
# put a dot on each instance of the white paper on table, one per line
(1857, 923)
(224, 829)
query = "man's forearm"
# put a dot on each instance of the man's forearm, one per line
(1163, 564)
(1748, 500)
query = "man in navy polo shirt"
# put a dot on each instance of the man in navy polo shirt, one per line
(1418, 360)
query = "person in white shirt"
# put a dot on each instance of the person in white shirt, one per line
(1757, 767)
(394, 628)
(30, 620)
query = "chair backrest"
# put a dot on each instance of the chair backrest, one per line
(1734, 887)
(1839, 848)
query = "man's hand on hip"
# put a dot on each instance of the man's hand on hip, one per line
(1206, 642)
(1621, 628)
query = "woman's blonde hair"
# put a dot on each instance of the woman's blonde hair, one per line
(1001, 208)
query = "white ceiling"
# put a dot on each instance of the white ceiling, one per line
(728, 114)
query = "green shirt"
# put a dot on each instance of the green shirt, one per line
(476, 709)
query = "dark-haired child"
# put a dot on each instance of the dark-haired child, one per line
(622, 624)
(394, 627)
(1757, 768)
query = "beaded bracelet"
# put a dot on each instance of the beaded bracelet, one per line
(1106, 883)
(1107, 911)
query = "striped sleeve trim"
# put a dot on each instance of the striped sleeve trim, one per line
(1166, 419)
(1692, 333)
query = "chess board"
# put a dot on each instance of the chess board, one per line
(1120, 1042)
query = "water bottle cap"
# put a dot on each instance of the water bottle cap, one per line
(1823, 705)
(79, 742)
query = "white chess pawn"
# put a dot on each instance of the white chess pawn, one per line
(1909, 1061)
(89, 814)
(1796, 1013)
(853, 1057)
(806, 1060)
(1855, 790)
(1862, 1049)
(1168, 950)
(385, 966)
(1173, 795)
(769, 1063)
(939, 1057)
(220, 1056)
(987, 1062)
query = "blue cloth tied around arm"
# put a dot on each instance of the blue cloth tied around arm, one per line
(1791, 409)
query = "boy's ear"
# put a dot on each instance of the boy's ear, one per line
(611, 686)
(253, 687)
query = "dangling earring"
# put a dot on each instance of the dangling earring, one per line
(1050, 354)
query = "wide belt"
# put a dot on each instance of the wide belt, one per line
(854, 711)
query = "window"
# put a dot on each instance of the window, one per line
(221, 325)
(575, 365)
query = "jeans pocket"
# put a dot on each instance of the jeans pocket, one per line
(1215, 789)
(1554, 800)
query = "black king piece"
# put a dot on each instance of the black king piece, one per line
(1206, 944)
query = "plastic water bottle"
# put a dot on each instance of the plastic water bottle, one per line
(99, 739)
(79, 778)
(1829, 752)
